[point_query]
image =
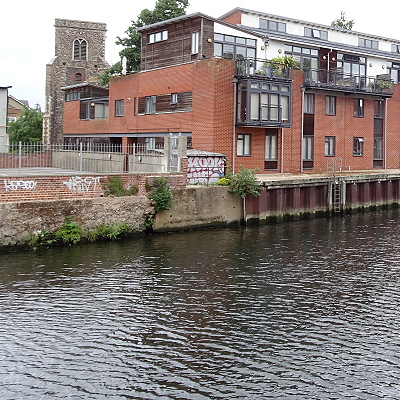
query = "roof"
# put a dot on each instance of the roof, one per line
(308, 23)
(200, 15)
(83, 84)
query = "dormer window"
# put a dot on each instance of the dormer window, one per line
(272, 25)
(80, 50)
(369, 44)
(157, 37)
(316, 33)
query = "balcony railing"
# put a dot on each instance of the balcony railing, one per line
(336, 80)
(252, 67)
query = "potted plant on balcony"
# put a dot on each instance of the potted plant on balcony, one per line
(279, 65)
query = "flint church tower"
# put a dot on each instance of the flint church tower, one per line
(79, 57)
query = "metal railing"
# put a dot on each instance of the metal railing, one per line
(340, 81)
(261, 68)
(82, 157)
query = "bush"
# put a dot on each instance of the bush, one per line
(161, 195)
(245, 182)
(115, 187)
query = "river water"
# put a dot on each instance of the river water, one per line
(299, 310)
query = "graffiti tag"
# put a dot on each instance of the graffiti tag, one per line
(79, 184)
(205, 169)
(15, 185)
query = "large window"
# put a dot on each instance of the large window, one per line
(359, 108)
(378, 148)
(305, 56)
(119, 108)
(80, 50)
(394, 71)
(100, 110)
(358, 146)
(150, 107)
(263, 103)
(234, 47)
(330, 105)
(243, 144)
(352, 65)
(330, 146)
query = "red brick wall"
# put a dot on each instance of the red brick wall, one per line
(235, 18)
(30, 188)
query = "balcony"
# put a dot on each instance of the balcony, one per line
(252, 67)
(339, 81)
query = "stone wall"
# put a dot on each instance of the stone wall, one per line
(18, 220)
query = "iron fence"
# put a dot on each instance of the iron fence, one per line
(97, 157)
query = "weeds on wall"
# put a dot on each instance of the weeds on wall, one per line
(115, 187)
(71, 233)
(161, 195)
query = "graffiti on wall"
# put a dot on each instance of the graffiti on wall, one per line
(79, 184)
(20, 184)
(205, 169)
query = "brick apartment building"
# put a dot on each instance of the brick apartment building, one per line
(210, 80)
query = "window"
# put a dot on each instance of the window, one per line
(393, 69)
(395, 48)
(378, 108)
(330, 105)
(150, 107)
(308, 147)
(359, 108)
(271, 147)
(100, 110)
(378, 148)
(309, 103)
(369, 44)
(157, 37)
(243, 144)
(316, 33)
(72, 96)
(78, 77)
(272, 25)
(358, 146)
(352, 66)
(195, 42)
(174, 98)
(80, 49)
(119, 108)
(234, 47)
(263, 103)
(330, 146)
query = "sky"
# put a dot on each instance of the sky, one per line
(27, 33)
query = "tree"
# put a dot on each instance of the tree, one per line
(28, 127)
(163, 10)
(342, 22)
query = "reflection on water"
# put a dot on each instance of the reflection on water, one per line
(303, 310)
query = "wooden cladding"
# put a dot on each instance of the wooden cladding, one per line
(163, 103)
(177, 49)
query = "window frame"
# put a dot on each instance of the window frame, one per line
(195, 42)
(271, 147)
(174, 98)
(119, 108)
(330, 105)
(330, 146)
(358, 146)
(358, 107)
(243, 145)
(309, 103)
(308, 148)
(315, 33)
(155, 37)
(80, 50)
(150, 105)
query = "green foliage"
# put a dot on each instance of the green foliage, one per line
(342, 22)
(163, 10)
(71, 233)
(244, 183)
(223, 182)
(148, 222)
(109, 232)
(27, 128)
(161, 195)
(115, 187)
